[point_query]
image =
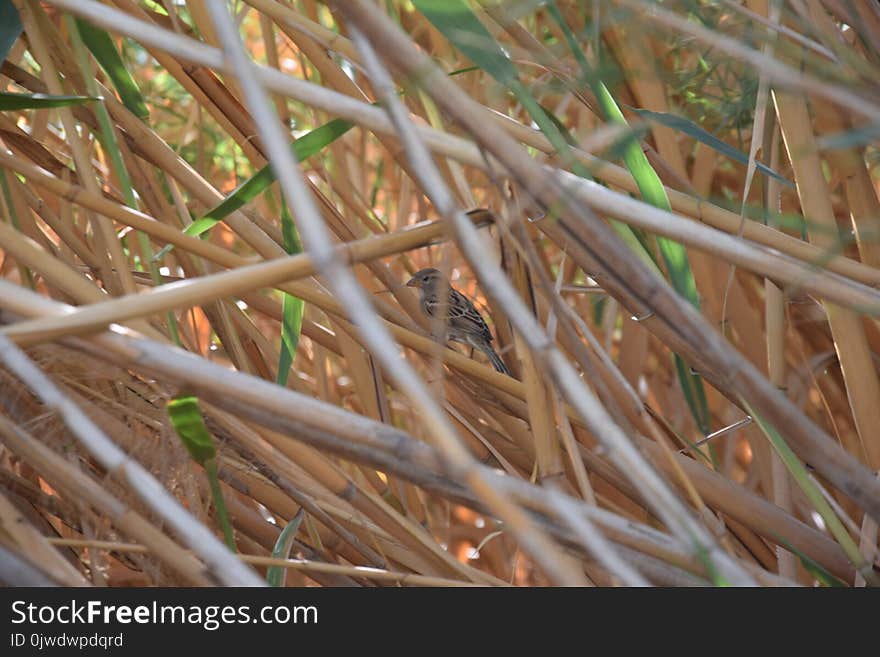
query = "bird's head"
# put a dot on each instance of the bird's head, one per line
(425, 278)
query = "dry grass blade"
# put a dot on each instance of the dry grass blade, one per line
(223, 565)
(410, 459)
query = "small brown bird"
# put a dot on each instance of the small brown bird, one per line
(463, 322)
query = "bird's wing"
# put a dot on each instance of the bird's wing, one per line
(464, 317)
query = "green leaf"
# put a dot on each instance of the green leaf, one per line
(652, 191)
(694, 394)
(291, 306)
(674, 254)
(814, 495)
(457, 22)
(10, 27)
(104, 50)
(711, 569)
(276, 575)
(219, 504)
(303, 148)
(11, 102)
(186, 418)
(813, 567)
(187, 421)
(693, 130)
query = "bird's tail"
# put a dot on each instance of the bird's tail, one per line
(495, 359)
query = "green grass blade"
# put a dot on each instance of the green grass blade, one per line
(190, 427)
(220, 504)
(691, 129)
(813, 567)
(303, 148)
(107, 137)
(186, 418)
(104, 50)
(695, 395)
(276, 575)
(814, 495)
(10, 102)
(24, 272)
(292, 307)
(240, 196)
(652, 191)
(455, 20)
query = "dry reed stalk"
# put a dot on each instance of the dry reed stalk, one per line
(316, 239)
(114, 273)
(543, 428)
(373, 118)
(68, 478)
(382, 34)
(774, 301)
(862, 384)
(373, 494)
(222, 564)
(31, 542)
(377, 574)
(717, 491)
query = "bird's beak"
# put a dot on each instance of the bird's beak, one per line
(412, 282)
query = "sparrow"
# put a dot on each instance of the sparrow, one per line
(463, 322)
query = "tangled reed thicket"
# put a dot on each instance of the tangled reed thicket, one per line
(667, 212)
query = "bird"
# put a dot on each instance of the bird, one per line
(463, 322)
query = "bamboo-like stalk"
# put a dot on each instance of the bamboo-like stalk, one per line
(115, 275)
(776, 71)
(776, 367)
(484, 488)
(264, 402)
(456, 147)
(377, 574)
(223, 565)
(345, 286)
(66, 477)
(379, 30)
(29, 541)
(860, 375)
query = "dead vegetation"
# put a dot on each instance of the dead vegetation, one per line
(692, 338)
